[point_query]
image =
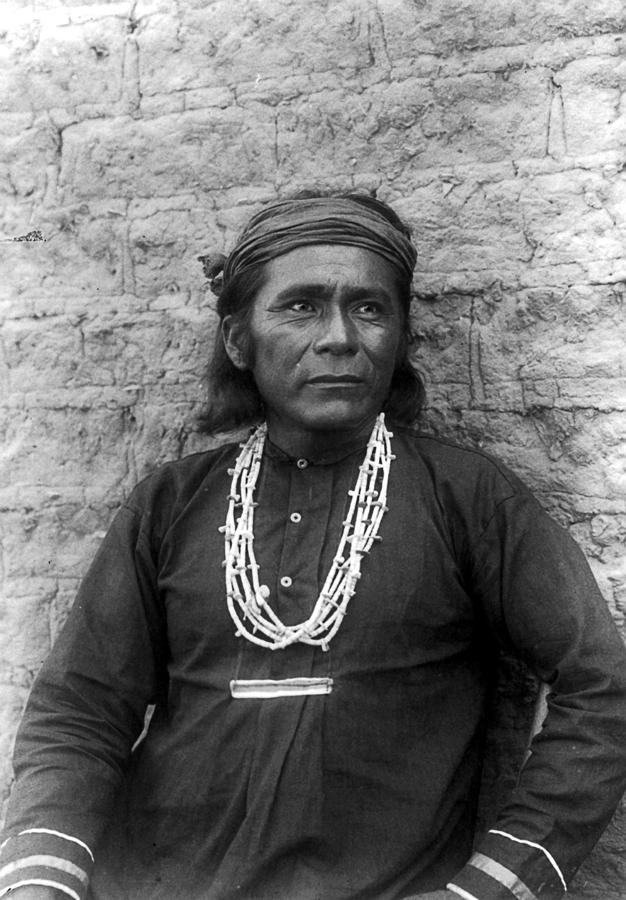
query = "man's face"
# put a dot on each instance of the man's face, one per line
(325, 333)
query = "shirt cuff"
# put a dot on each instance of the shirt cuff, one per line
(45, 857)
(505, 867)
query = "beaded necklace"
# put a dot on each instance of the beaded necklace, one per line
(247, 597)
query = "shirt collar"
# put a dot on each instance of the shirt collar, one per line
(272, 451)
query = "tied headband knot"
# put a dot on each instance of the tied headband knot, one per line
(213, 268)
(289, 224)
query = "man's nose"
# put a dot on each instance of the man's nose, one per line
(337, 333)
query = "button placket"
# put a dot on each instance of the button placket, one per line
(297, 575)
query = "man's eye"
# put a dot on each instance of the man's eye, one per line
(301, 306)
(368, 309)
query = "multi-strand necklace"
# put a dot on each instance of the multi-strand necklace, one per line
(247, 597)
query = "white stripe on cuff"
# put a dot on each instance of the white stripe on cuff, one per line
(503, 875)
(49, 862)
(546, 853)
(457, 890)
(67, 837)
(44, 883)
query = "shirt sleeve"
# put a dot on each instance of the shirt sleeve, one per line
(85, 712)
(541, 601)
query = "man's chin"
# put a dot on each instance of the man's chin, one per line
(337, 417)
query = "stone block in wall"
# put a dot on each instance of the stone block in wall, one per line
(77, 254)
(575, 457)
(569, 217)
(25, 636)
(49, 434)
(555, 361)
(42, 353)
(201, 150)
(445, 29)
(39, 542)
(441, 329)
(486, 117)
(54, 62)
(241, 43)
(30, 158)
(123, 351)
(416, 123)
(530, 349)
(591, 93)
(104, 348)
(545, 228)
(165, 239)
(464, 226)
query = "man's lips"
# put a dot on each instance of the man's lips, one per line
(335, 379)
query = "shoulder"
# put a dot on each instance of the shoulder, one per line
(451, 461)
(174, 484)
(466, 484)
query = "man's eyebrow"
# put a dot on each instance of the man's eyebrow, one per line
(326, 291)
(368, 293)
(306, 292)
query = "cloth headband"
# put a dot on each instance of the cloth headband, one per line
(288, 224)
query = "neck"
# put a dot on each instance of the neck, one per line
(320, 443)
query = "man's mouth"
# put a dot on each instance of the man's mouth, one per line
(335, 379)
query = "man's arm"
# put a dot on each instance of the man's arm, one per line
(84, 714)
(541, 602)
(45, 860)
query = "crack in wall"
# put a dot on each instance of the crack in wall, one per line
(127, 261)
(379, 18)
(476, 379)
(556, 133)
(275, 148)
(131, 71)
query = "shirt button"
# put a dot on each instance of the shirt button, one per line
(302, 463)
(295, 518)
(286, 581)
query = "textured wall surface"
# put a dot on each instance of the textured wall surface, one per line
(135, 135)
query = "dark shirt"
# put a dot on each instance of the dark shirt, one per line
(366, 792)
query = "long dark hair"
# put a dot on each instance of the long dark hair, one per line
(232, 397)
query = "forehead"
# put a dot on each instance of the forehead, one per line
(331, 264)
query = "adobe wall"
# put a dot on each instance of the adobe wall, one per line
(137, 134)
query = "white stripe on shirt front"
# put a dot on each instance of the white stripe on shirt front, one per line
(262, 688)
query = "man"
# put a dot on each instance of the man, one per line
(315, 615)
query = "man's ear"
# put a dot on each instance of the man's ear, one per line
(234, 342)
